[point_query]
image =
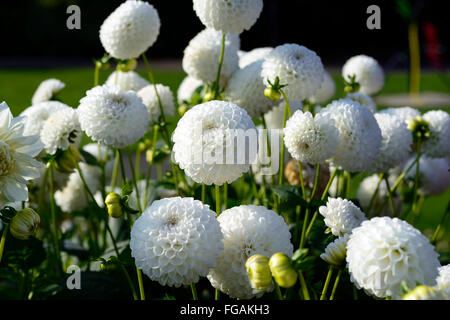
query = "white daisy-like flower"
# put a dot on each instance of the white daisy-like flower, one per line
(130, 29)
(275, 117)
(46, 90)
(434, 174)
(176, 241)
(296, 66)
(336, 251)
(247, 230)
(404, 113)
(127, 80)
(251, 56)
(37, 114)
(60, 130)
(228, 16)
(150, 99)
(112, 117)
(360, 135)
(383, 252)
(326, 90)
(443, 280)
(369, 74)
(363, 99)
(187, 88)
(73, 197)
(205, 138)
(438, 144)
(309, 138)
(396, 143)
(17, 151)
(246, 89)
(341, 216)
(202, 55)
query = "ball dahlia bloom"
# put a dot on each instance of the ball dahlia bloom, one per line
(443, 280)
(404, 113)
(251, 56)
(438, 144)
(369, 74)
(336, 251)
(326, 90)
(150, 99)
(46, 90)
(127, 80)
(363, 99)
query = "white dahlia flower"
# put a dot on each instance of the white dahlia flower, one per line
(309, 138)
(275, 117)
(202, 55)
(112, 117)
(247, 230)
(396, 143)
(228, 16)
(187, 88)
(363, 99)
(127, 80)
(360, 135)
(336, 251)
(404, 113)
(60, 130)
(434, 174)
(17, 151)
(369, 74)
(246, 89)
(251, 56)
(46, 90)
(150, 99)
(438, 144)
(384, 251)
(326, 90)
(176, 240)
(341, 216)
(443, 280)
(206, 142)
(130, 29)
(298, 67)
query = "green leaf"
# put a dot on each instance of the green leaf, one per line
(127, 189)
(300, 254)
(290, 194)
(304, 264)
(89, 158)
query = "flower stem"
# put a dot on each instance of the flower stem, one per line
(225, 195)
(115, 171)
(416, 180)
(304, 287)
(336, 282)
(391, 199)
(316, 182)
(278, 292)
(302, 183)
(135, 183)
(287, 110)
(218, 206)
(194, 291)
(96, 74)
(219, 68)
(203, 193)
(374, 195)
(3, 240)
(152, 80)
(327, 282)
(55, 232)
(141, 283)
(302, 238)
(150, 164)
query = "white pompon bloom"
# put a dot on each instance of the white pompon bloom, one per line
(187, 88)
(130, 29)
(246, 89)
(274, 118)
(202, 55)
(336, 251)
(150, 99)
(434, 174)
(127, 80)
(46, 90)
(438, 144)
(251, 56)
(360, 135)
(112, 117)
(363, 99)
(205, 138)
(404, 113)
(396, 144)
(298, 67)
(384, 251)
(37, 114)
(176, 241)
(326, 90)
(309, 138)
(443, 280)
(17, 151)
(341, 216)
(247, 230)
(228, 16)
(369, 74)
(60, 130)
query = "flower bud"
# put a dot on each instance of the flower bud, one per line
(420, 128)
(272, 94)
(259, 272)
(127, 65)
(208, 96)
(182, 110)
(24, 224)
(66, 160)
(282, 270)
(149, 155)
(424, 293)
(113, 203)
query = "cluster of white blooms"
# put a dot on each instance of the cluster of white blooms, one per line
(247, 230)
(336, 251)
(127, 80)
(341, 216)
(368, 72)
(130, 29)
(46, 90)
(298, 67)
(438, 144)
(383, 252)
(112, 117)
(187, 88)
(434, 174)
(228, 16)
(176, 240)
(275, 117)
(363, 99)
(150, 99)
(404, 113)
(251, 56)
(326, 90)
(360, 135)
(309, 138)
(206, 135)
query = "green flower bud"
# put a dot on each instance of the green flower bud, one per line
(149, 155)
(114, 205)
(272, 94)
(282, 270)
(259, 272)
(24, 224)
(65, 161)
(420, 128)
(351, 85)
(424, 293)
(102, 65)
(208, 96)
(182, 110)
(127, 65)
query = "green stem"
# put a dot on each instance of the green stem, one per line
(305, 220)
(400, 177)
(225, 195)
(348, 184)
(150, 164)
(152, 80)
(416, 179)
(135, 183)
(96, 74)
(327, 282)
(203, 193)
(53, 219)
(137, 170)
(278, 292)
(217, 295)
(141, 283)
(391, 199)
(219, 68)
(304, 287)
(194, 291)
(3, 240)
(302, 183)
(336, 282)
(115, 171)
(287, 110)
(217, 188)
(374, 195)
(316, 182)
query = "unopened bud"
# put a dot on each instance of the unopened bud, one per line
(259, 272)
(424, 293)
(272, 94)
(113, 203)
(127, 65)
(208, 96)
(182, 110)
(282, 270)
(24, 224)
(66, 161)
(420, 128)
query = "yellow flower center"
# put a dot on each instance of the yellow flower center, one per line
(7, 161)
